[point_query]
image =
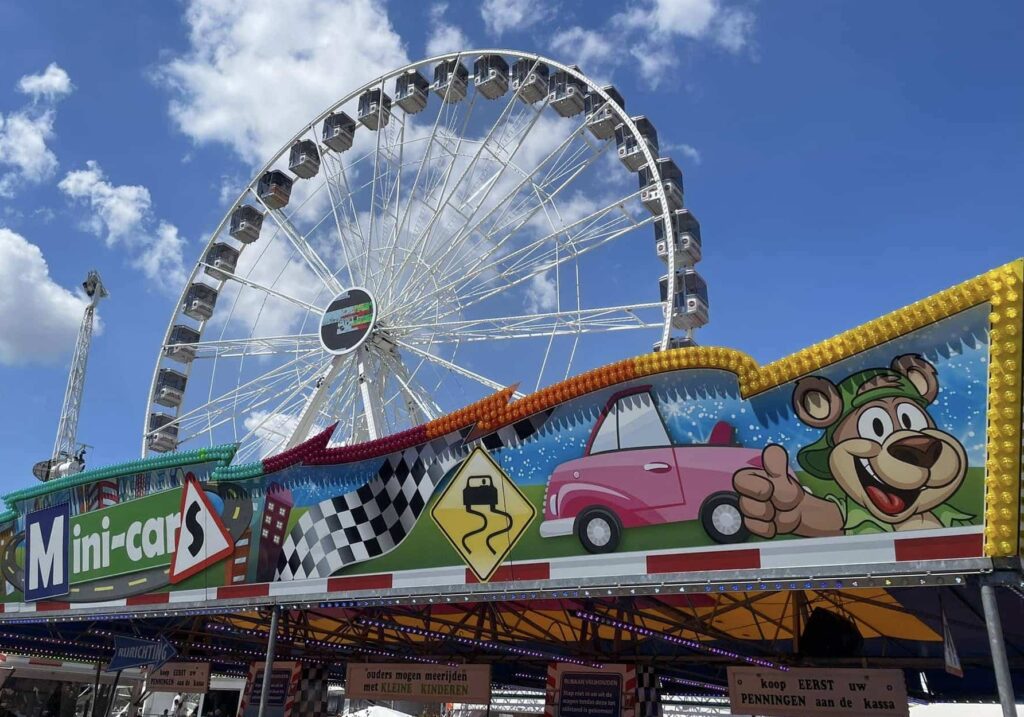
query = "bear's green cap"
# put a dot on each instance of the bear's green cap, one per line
(814, 458)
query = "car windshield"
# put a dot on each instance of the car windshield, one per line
(640, 425)
(633, 422)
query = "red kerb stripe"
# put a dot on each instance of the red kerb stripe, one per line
(244, 591)
(148, 599)
(940, 547)
(382, 581)
(513, 573)
(43, 605)
(698, 562)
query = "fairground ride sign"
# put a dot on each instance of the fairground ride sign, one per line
(818, 693)
(418, 683)
(886, 455)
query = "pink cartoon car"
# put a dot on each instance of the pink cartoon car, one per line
(631, 475)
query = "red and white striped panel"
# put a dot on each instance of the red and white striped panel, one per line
(885, 549)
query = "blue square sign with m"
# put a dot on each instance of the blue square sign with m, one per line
(46, 553)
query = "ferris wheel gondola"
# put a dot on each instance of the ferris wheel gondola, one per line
(450, 228)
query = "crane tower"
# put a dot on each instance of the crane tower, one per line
(68, 454)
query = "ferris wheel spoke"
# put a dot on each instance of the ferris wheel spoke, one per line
(305, 250)
(596, 229)
(294, 396)
(353, 229)
(421, 400)
(503, 120)
(269, 432)
(255, 385)
(423, 163)
(458, 249)
(253, 346)
(248, 403)
(531, 326)
(495, 272)
(455, 368)
(417, 195)
(246, 281)
(444, 194)
(451, 251)
(601, 226)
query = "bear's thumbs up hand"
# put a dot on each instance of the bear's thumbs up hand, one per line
(770, 497)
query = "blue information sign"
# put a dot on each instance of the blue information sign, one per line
(133, 652)
(46, 553)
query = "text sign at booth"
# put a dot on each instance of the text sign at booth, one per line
(590, 694)
(419, 683)
(190, 677)
(818, 692)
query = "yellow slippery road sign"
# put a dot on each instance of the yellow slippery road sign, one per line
(482, 513)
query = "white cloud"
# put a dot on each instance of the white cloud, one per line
(444, 37)
(122, 215)
(23, 137)
(254, 73)
(584, 47)
(690, 18)
(691, 153)
(728, 27)
(651, 29)
(502, 15)
(686, 150)
(119, 209)
(38, 318)
(271, 431)
(541, 293)
(734, 28)
(53, 83)
(24, 133)
(162, 258)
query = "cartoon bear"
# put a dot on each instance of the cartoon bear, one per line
(880, 445)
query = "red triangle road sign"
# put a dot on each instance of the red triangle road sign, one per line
(202, 538)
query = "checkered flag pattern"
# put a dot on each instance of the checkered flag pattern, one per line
(310, 697)
(373, 519)
(648, 697)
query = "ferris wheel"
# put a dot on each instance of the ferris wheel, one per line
(468, 222)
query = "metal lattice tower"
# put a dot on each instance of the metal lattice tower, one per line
(66, 455)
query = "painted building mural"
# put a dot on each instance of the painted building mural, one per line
(692, 460)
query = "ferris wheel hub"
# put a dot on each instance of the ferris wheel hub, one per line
(348, 321)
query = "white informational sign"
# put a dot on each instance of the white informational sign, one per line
(190, 677)
(584, 691)
(418, 683)
(818, 692)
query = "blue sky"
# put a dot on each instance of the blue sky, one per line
(844, 158)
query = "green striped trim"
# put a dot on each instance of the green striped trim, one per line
(222, 454)
(239, 472)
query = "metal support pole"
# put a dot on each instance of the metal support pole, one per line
(113, 694)
(96, 691)
(995, 642)
(269, 665)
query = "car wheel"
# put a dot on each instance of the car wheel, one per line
(599, 530)
(721, 517)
